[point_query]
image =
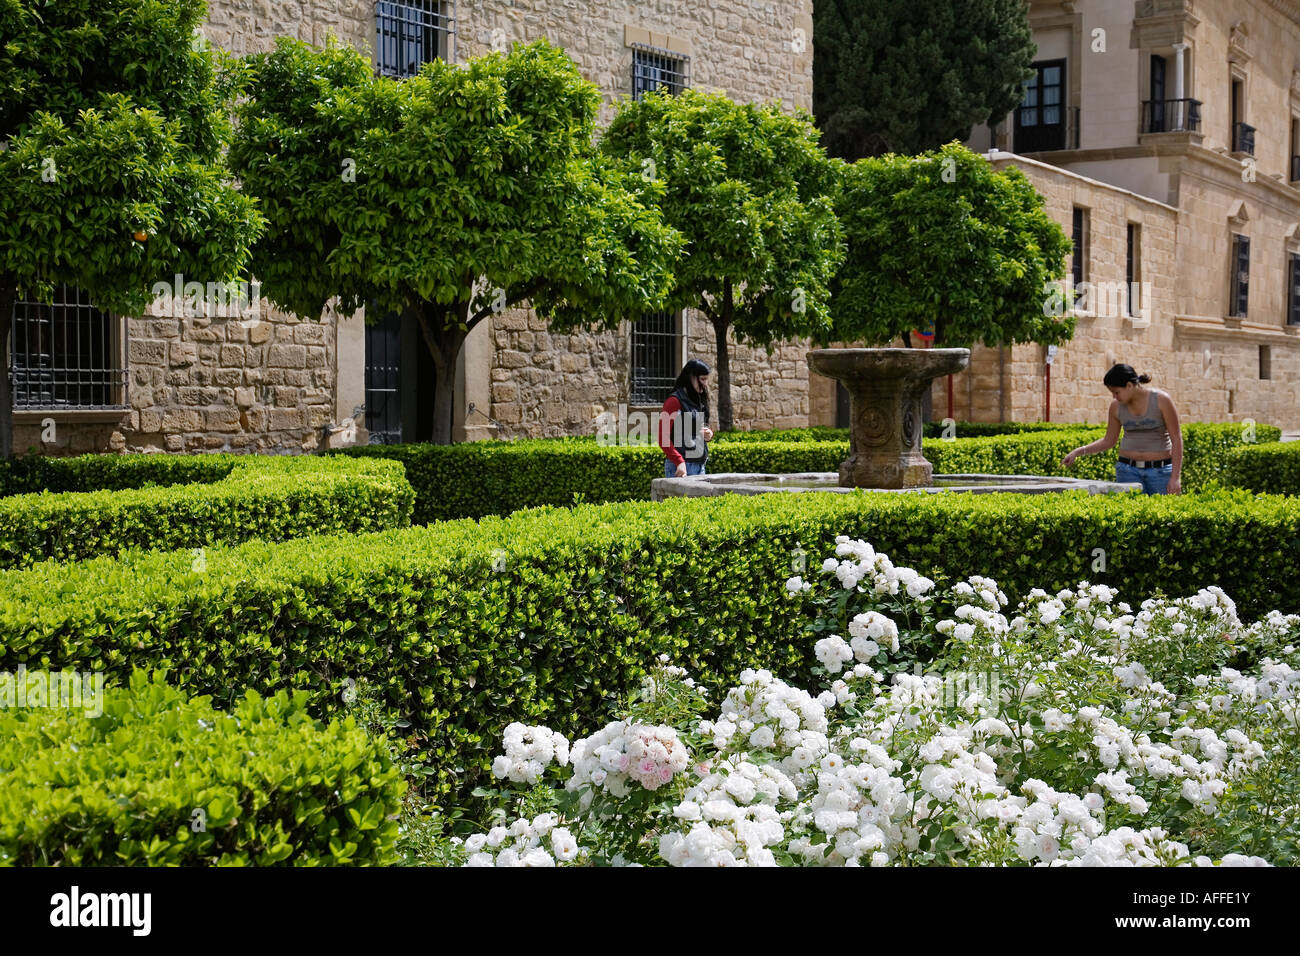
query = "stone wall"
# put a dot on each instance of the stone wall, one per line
(545, 384)
(207, 384)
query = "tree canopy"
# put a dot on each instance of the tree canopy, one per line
(751, 191)
(112, 119)
(945, 239)
(901, 76)
(454, 194)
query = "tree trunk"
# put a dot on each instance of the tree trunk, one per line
(721, 322)
(8, 296)
(444, 345)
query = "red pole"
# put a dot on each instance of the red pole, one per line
(1047, 377)
(950, 396)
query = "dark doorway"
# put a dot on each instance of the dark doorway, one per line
(1158, 67)
(400, 379)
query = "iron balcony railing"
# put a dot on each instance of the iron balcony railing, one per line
(1243, 139)
(1171, 116)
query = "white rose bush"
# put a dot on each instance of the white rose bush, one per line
(1076, 732)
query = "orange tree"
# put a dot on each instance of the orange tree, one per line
(944, 239)
(452, 194)
(112, 124)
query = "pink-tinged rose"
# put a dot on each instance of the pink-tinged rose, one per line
(702, 769)
(665, 774)
(623, 762)
(647, 767)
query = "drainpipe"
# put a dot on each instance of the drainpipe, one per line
(1047, 381)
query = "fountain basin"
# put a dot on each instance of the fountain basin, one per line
(886, 388)
(704, 486)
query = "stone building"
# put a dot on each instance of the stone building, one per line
(256, 380)
(1165, 136)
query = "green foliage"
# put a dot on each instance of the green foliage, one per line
(895, 76)
(193, 502)
(454, 193)
(474, 479)
(1271, 467)
(751, 191)
(161, 780)
(114, 124)
(945, 239)
(935, 429)
(550, 615)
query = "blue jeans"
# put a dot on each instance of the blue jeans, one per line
(692, 468)
(1154, 481)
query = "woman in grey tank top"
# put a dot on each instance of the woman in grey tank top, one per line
(1151, 453)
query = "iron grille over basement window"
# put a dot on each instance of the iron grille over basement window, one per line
(412, 32)
(656, 69)
(66, 355)
(654, 358)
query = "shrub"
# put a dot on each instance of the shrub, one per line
(249, 497)
(1269, 468)
(549, 614)
(1070, 731)
(161, 780)
(933, 429)
(474, 479)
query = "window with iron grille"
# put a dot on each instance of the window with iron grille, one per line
(66, 355)
(1079, 260)
(412, 32)
(1293, 292)
(656, 69)
(1240, 275)
(1132, 265)
(655, 340)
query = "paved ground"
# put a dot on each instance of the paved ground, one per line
(1291, 436)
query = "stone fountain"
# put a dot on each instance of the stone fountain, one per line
(886, 388)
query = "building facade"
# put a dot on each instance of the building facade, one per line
(1165, 137)
(252, 379)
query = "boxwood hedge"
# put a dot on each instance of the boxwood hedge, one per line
(474, 479)
(161, 780)
(246, 497)
(549, 614)
(1270, 468)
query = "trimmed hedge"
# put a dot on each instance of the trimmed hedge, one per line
(934, 429)
(1269, 468)
(548, 615)
(475, 479)
(273, 785)
(33, 474)
(252, 497)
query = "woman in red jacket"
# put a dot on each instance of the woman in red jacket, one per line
(684, 430)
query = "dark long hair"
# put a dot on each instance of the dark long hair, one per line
(686, 387)
(1121, 375)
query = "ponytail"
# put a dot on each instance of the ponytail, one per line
(1121, 375)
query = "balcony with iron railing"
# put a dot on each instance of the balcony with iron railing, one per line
(1243, 139)
(1171, 116)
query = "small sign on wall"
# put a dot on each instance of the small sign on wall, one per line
(1051, 354)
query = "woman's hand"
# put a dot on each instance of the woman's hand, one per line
(1175, 486)
(1068, 460)
(681, 469)
(706, 433)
